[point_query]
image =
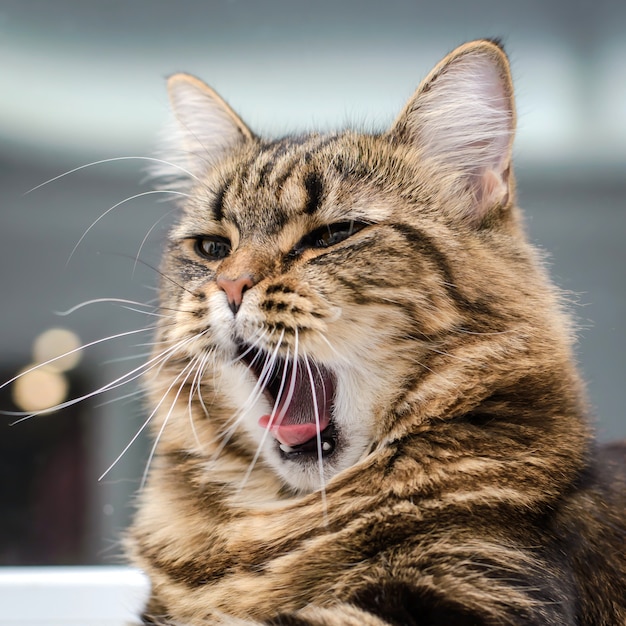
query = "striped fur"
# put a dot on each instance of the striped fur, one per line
(461, 486)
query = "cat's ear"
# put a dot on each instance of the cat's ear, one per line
(463, 116)
(205, 127)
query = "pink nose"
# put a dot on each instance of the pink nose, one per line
(234, 289)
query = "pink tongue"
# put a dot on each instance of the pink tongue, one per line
(295, 423)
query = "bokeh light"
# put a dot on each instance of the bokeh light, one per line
(43, 385)
(39, 389)
(54, 343)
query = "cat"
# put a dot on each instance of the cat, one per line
(365, 404)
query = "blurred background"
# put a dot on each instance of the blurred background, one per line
(83, 81)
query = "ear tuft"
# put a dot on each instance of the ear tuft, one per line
(205, 128)
(463, 117)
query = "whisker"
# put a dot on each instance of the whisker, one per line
(159, 315)
(281, 388)
(143, 241)
(250, 348)
(160, 273)
(77, 307)
(205, 364)
(133, 197)
(330, 345)
(154, 362)
(292, 380)
(322, 381)
(266, 431)
(195, 388)
(126, 396)
(112, 160)
(320, 459)
(124, 359)
(157, 439)
(231, 424)
(73, 351)
(118, 382)
(236, 418)
(260, 385)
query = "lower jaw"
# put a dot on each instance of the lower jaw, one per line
(324, 444)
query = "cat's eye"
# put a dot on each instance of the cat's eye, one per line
(213, 248)
(328, 235)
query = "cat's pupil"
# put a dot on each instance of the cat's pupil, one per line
(213, 248)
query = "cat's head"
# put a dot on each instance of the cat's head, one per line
(315, 283)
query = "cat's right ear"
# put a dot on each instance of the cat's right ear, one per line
(462, 117)
(205, 127)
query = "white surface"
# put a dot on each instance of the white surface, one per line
(71, 596)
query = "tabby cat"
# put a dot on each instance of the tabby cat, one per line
(366, 407)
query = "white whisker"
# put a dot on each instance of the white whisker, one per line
(117, 204)
(126, 396)
(239, 415)
(267, 431)
(150, 313)
(112, 160)
(195, 388)
(73, 351)
(231, 424)
(154, 362)
(264, 376)
(320, 459)
(250, 348)
(124, 359)
(281, 388)
(322, 381)
(118, 382)
(199, 385)
(77, 307)
(341, 356)
(157, 439)
(143, 241)
(256, 392)
(292, 380)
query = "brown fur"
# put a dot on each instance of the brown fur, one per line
(466, 489)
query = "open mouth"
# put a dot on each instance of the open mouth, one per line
(301, 393)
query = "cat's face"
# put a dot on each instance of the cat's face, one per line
(310, 279)
(306, 290)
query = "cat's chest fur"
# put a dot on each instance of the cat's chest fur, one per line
(363, 388)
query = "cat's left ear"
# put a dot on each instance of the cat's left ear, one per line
(205, 127)
(463, 117)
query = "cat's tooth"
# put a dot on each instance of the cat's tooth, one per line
(326, 446)
(285, 448)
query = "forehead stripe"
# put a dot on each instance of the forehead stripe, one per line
(315, 191)
(218, 201)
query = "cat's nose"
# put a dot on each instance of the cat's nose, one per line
(234, 288)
